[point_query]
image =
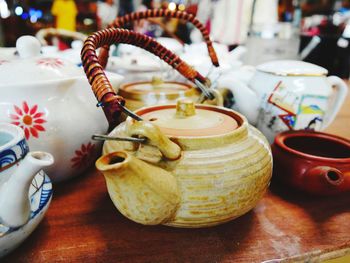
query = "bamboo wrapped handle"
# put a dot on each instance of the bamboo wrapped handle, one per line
(101, 86)
(152, 13)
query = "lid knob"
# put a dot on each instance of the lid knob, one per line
(185, 108)
(28, 46)
(156, 81)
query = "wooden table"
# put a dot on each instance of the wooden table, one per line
(82, 225)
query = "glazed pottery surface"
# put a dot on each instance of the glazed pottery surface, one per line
(314, 162)
(179, 165)
(289, 95)
(25, 190)
(158, 92)
(40, 194)
(7, 53)
(200, 166)
(49, 98)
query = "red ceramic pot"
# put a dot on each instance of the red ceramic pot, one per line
(314, 162)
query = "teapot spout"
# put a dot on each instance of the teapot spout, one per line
(142, 192)
(325, 180)
(14, 201)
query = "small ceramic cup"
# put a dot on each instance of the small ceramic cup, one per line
(314, 162)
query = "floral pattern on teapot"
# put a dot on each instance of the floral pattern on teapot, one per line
(29, 119)
(3, 61)
(286, 109)
(50, 62)
(52, 102)
(84, 155)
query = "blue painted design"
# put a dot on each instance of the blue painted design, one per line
(42, 196)
(315, 107)
(289, 120)
(13, 154)
(24, 146)
(7, 157)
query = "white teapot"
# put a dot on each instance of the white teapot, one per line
(287, 95)
(49, 98)
(25, 191)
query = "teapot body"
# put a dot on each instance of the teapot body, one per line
(50, 99)
(57, 117)
(313, 162)
(219, 177)
(290, 102)
(289, 95)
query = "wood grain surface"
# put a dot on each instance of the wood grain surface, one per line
(82, 225)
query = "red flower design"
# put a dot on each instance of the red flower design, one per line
(3, 61)
(29, 119)
(83, 156)
(50, 62)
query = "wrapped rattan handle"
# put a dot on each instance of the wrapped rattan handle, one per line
(101, 86)
(121, 21)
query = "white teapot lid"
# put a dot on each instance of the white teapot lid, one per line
(30, 66)
(292, 68)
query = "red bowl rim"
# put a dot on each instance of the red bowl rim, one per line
(280, 142)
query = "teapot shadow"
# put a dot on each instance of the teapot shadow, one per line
(320, 208)
(145, 242)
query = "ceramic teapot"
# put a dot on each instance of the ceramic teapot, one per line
(180, 165)
(47, 99)
(21, 208)
(288, 95)
(314, 162)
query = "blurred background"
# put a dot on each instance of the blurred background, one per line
(317, 31)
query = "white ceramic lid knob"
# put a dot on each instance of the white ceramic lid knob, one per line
(77, 44)
(28, 46)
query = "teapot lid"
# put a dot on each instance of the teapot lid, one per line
(292, 68)
(189, 120)
(29, 66)
(156, 87)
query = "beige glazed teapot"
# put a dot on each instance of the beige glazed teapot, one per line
(181, 165)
